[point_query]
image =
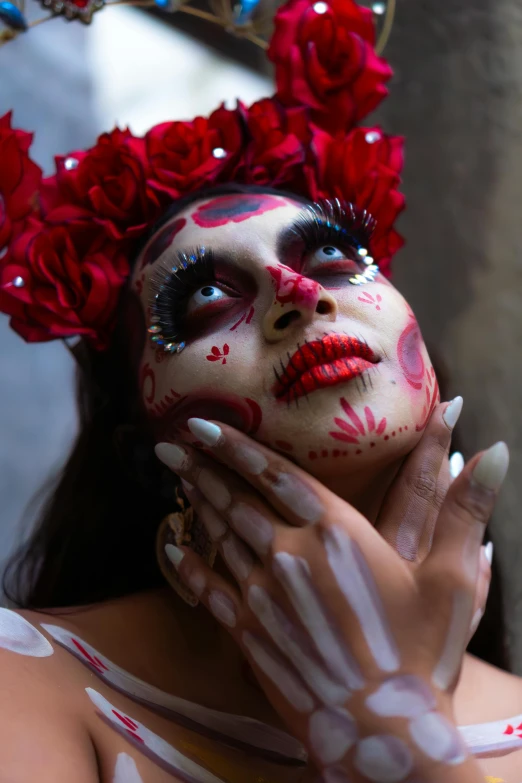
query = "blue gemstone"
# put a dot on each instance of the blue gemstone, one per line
(12, 16)
(244, 10)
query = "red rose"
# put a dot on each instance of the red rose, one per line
(187, 156)
(324, 58)
(277, 154)
(364, 167)
(71, 284)
(107, 184)
(19, 179)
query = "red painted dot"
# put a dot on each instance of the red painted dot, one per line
(359, 451)
(386, 437)
(372, 445)
(393, 433)
(345, 453)
(400, 429)
(312, 455)
(335, 453)
(405, 428)
(324, 453)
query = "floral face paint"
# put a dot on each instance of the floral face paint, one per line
(278, 342)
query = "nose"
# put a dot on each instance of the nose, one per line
(298, 301)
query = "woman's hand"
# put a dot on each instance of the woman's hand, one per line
(358, 652)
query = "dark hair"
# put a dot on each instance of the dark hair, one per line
(95, 539)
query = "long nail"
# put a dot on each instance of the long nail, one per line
(210, 434)
(174, 554)
(452, 412)
(488, 552)
(172, 456)
(490, 471)
(456, 464)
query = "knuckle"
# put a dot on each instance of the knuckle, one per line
(423, 485)
(474, 504)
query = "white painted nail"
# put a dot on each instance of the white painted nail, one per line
(172, 456)
(488, 551)
(475, 622)
(490, 471)
(174, 554)
(208, 433)
(187, 486)
(452, 412)
(456, 464)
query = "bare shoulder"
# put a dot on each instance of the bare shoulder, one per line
(43, 735)
(486, 693)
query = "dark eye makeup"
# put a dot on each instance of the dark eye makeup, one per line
(326, 225)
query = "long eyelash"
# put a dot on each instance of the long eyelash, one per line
(340, 223)
(170, 287)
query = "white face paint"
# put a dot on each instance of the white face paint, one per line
(297, 497)
(332, 732)
(222, 608)
(251, 458)
(261, 738)
(294, 575)
(437, 738)
(404, 696)
(19, 636)
(449, 662)
(295, 645)
(358, 586)
(277, 670)
(383, 758)
(125, 770)
(160, 750)
(252, 526)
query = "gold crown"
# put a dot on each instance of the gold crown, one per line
(244, 18)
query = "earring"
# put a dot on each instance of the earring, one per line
(183, 528)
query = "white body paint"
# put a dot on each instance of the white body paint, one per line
(332, 733)
(449, 662)
(214, 524)
(277, 670)
(434, 735)
(252, 459)
(254, 733)
(489, 738)
(214, 490)
(125, 770)
(237, 557)
(293, 643)
(252, 526)
(222, 608)
(294, 575)
(383, 758)
(334, 775)
(404, 696)
(356, 582)
(176, 761)
(297, 497)
(19, 636)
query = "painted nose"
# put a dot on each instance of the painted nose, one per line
(298, 302)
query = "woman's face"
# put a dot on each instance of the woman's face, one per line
(279, 342)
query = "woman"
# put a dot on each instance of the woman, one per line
(284, 380)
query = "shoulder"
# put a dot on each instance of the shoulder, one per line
(43, 735)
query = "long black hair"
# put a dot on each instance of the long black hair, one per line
(95, 538)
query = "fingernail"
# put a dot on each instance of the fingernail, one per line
(490, 471)
(210, 434)
(488, 552)
(477, 617)
(452, 412)
(456, 463)
(187, 486)
(174, 554)
(171, 455)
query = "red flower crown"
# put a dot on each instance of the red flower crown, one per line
(66, 241)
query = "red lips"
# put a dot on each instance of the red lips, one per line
(334, 359)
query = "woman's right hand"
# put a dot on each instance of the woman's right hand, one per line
(357, 652)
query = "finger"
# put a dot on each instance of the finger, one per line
(219, 596)
(482, 590)
(413, 502)
(451, 569)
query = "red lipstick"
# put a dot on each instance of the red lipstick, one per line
(336, 358)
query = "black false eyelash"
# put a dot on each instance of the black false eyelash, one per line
(338, 222)
(171, 286)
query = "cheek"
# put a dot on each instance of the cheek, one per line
(417, 372)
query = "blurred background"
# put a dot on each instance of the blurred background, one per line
(456, 95)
